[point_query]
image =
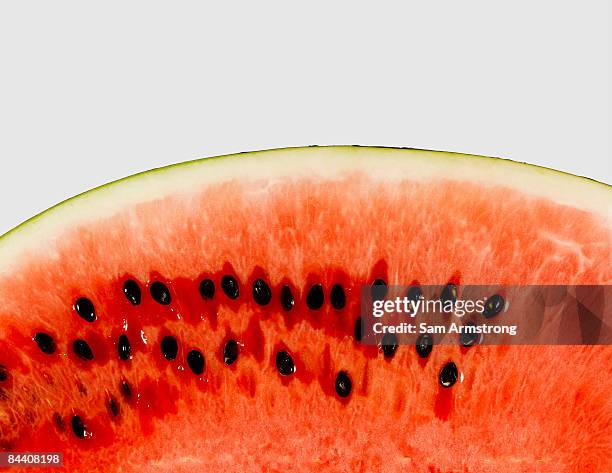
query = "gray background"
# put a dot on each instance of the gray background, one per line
(92, 92)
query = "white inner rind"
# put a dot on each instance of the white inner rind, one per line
(381, 164)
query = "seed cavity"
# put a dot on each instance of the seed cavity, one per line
(195, 360)
(468, 335)
(261, 292)
(85, 309)
(59, 422)
(449, 293)
(207, 289)
(448, 375)
(126, 391)
(78, 427)
(315, 297)
(82, 350)
(358, 332)
(160, 293)
(132, 292)
(343, 384)
(3, 373)
(337, 296)
(169, 347)
(230, 286)
(424, 345)
(493, 306)
(80, 386)
(112, 406)
(123, 347)
(389, 345)
(284, 363)
(230, 352)
(45, 342)
(286, 298)
(379, 289)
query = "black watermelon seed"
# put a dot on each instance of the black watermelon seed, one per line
(169, 347)
(379, 289)
(82, 350)
(160, 293)
(45, 342)
(493, 306)
(78, 427)
(343, 384)
(414, 294)
(195, 360)
(230, 352)
(358, 329)
(123, 347)
(85, 308)
(113, 406)
(337, 296)
(284, 363)
(469, 338)
(424, 345)
(3, 373)
(125, 389)
(207, 289)
(230, 287)
(315, 297)
(449, 293)
(286, 298)
(448, 375)
(389, 345)
(261, 292)
(131, 289)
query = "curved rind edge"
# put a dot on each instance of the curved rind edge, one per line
(407, 163)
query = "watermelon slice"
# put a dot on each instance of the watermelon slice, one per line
(203, 317)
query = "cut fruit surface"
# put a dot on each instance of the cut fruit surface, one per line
(204, 317)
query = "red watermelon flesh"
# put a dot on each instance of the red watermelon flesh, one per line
(294, 219)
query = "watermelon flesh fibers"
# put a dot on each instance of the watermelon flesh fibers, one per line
(140, 249)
